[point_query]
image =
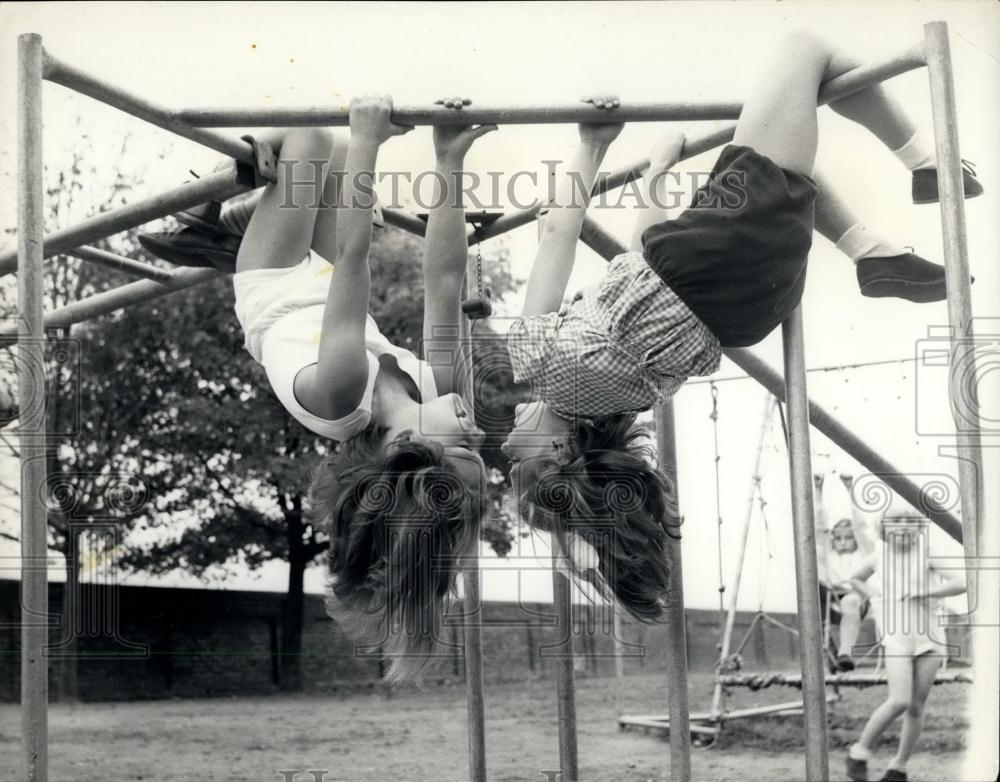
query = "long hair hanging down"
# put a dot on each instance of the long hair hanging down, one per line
(611, 496)
(399, 518)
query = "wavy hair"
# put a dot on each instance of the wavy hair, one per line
(399, 517)
(610, 495)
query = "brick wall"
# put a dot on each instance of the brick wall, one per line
(191, 643)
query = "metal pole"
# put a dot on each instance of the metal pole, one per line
(727, 634)
(119, 298)
(806, 571)
(839, 434)
(216, 186)
(565, 686)
(576, 111)
(119, 263)
(677, 660)
(619, 630)
(962, 377)
(471, 595)
(60, 73)
(32, 418)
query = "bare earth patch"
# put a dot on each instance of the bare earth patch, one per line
(413, 736)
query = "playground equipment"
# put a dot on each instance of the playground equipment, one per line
(36, 65)
(705, 727)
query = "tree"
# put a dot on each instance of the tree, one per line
(91, 464)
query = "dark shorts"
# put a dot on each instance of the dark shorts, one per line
(737, 256)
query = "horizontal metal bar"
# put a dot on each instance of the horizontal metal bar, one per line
(578, 111)
(841, 436)
(118, 298)
(59, 72)
(219, 185)
(108, 260)
(476, 114)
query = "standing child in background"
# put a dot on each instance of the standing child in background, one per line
(905, 589)
(402, 493)
(840, 556)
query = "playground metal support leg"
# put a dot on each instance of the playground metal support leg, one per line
(32, 420)
(962, 377)
(806, 572)
(472, 597)
(565, 684)
(677, 660)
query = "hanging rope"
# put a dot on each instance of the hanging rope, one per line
(718, 505)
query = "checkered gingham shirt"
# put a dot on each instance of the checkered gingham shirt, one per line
(621, 346)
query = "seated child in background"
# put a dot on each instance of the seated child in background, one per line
(840, 556)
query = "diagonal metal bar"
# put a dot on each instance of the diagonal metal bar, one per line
(120, 263)
(69, 76)
(219, 185)
(119, 298)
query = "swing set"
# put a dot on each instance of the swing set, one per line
(36, 64)
(705, 727)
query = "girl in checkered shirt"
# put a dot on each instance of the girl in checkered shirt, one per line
(725, 273)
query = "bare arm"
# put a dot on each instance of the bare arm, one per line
(334, 386)
(656, 184)
(557, 249)
(951, 584)
(446, 250)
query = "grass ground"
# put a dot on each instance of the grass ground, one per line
(413, 736)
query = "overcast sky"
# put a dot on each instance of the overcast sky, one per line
(233, 54)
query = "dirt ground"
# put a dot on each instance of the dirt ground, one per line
(413, 736)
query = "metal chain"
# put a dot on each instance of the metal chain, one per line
(479, 268)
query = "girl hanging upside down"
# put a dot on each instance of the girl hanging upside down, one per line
(402, 493)
(725, 273)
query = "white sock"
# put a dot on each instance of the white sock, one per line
(860, 241)
(857, 752)
(899, 765)
(915, 154)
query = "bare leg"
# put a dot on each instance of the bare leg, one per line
(850, 622)
(899, 672)
(280, 233)
(925, 668)
(779, 116)
(324, 241)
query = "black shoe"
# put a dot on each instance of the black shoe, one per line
(857, 770)
(925, 184)
(844, 662)
(906, 276)
(203, 218)
(188, 247)
(892, 775)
